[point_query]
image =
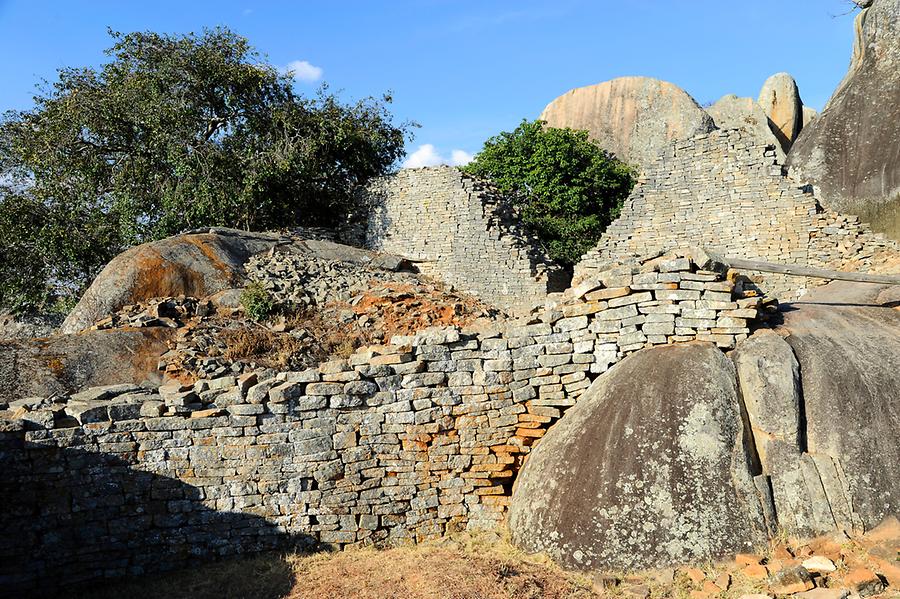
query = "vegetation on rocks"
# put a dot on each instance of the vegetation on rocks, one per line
(567, 188)
(173, 133)
(257, 302)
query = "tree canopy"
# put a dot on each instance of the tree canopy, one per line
(173, 133)
(566, 188)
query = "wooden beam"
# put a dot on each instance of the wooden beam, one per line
(808, 271)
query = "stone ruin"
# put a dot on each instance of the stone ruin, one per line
(460, 231)
(726, 192)
(424, 434)
(399, 442)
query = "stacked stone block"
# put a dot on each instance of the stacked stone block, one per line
(460, 232)
(724, 191)
(398, 443)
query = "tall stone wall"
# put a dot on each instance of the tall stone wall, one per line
(725, 191)
(460, 232)
(401, 442)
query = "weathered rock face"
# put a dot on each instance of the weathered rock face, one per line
(780, 99)
(852, 150)
(194, 265)
(644, 470)
(769, 381)
(849, 360)
(632, 117)
(66, 363)
(801, 434)
(732, 112)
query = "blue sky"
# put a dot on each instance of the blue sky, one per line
(464, 70)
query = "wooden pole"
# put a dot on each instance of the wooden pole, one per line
(808, 271)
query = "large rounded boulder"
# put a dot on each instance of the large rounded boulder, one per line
(851, 151)
(780, 100)
(193, 264)
(632, 117)
(649, 469)
(849, 359)
(732, 112)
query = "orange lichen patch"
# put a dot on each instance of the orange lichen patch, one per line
(405, 309)
(159, 277)
(55, 364)
(209, 246)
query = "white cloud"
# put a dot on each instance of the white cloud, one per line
(460, 158)
(427, 155)
(302, 70)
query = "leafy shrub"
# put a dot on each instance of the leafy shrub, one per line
(173, 133)
(257, 301)
(567, 188)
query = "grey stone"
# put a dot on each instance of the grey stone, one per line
(600, 490)
(849, 152)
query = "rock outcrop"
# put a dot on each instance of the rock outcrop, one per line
(732, 112)
(64, 364)
(776, 118)
(632, 117)
(646, 470)
(800, 435)
(851, 152)
(203, 265)
(193, 264)
(850, 375)
(780, 99)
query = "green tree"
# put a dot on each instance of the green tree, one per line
(173, 133)
(567, 188)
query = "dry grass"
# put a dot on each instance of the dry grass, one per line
(263, 346)
(427, 572)
(332, 338)
(464, 569)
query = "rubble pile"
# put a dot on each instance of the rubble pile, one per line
(300, 279)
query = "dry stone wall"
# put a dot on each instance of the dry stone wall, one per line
(725, 191)
(460, 232)
(399, 442)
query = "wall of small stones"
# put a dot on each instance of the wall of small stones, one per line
(400, 442)
(460, 232)
(724, 191)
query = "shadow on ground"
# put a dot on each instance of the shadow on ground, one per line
(73, 520)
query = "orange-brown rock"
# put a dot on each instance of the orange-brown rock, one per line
(747, 559)
(791, 580)
(696, 575)
(755, 571)
(780, 99)
(851, 151)
(632, 117)
(63, 364)
(863, 581)
(196, 265)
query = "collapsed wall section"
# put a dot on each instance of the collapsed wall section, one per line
(725, 192)
(460, 232)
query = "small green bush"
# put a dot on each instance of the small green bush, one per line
(568, 188)
(257, 302)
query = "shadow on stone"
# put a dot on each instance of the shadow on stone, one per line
(75, 519)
